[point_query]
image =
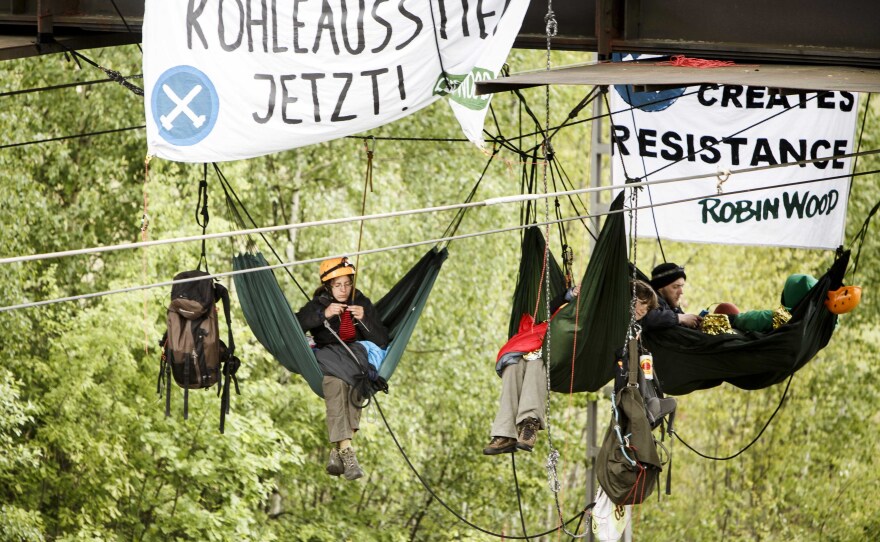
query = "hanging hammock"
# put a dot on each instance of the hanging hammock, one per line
(585, 335)
(594, 325)
(688, 360)
(275, 325)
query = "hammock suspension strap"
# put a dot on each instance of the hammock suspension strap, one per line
(202, 211)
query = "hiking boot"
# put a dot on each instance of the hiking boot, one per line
(528, 434)
(500, 445)
(334, 464)
(352, 471)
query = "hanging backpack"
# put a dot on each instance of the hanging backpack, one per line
(628, 464)
(192, 352)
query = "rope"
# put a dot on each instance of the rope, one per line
(688, 62)
(446, 506)
(368, 183)
(74, 136)
(567, 185)
(64, 85)
(124, 22)
(673, 432)
(202, 209)
(553, 455)
(568, 124)
(645, 173)
(522, 516)
(861, 133)
(484, 203)
(112, 74)
(747, 128)
(230, 206)
(456, 222)
(145, 225)
(450, 86)
(860, 237)
(370, 251)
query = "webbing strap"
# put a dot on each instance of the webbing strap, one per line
(633, 369)
(221, 292)
(202, 209)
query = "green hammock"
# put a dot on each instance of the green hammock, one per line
(275, 325)
(585, 336)
(687, 360)
(601, 312)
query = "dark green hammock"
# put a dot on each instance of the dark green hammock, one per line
(585, 336)
(275, 325)
(593, 327)
(687, 360)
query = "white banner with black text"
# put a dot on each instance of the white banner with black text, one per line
(715, 130)
(233, 79)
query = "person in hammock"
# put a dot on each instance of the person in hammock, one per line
(794, 290)
(523, 384)
(668, 280)
(343, 322)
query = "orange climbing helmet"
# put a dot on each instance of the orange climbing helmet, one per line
(335, 267)
(844, 299)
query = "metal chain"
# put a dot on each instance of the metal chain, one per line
(553, 456)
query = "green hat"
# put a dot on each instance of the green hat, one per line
(796, 288)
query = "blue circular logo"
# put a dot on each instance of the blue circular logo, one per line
(185, 105)
(649, 101)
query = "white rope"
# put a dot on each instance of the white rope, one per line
(418, 243)
(486, 203)
(278, 266)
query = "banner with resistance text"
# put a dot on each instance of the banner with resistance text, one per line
(234, 79)
(717, 129)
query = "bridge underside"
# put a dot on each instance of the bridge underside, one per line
(791, 32)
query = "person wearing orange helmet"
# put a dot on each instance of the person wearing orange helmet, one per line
(343, 323)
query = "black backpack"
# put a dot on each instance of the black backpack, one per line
(192, 352)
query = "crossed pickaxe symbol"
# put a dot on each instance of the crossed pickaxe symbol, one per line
(182, 107)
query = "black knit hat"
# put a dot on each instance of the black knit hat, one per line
(665, 274)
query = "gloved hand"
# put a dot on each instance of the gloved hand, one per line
(372, 373)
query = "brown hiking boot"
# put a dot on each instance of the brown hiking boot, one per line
(500, 445)
(352, 470)
(528, 434)
(334, 464)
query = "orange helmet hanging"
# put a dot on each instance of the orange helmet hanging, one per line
(335, 267)
(844, 299)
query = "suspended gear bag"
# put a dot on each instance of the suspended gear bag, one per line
(628, 464)
(192, 352)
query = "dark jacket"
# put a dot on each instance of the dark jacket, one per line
(662, 317)
(370, 328)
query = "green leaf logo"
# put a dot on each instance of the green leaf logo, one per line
(465, 88)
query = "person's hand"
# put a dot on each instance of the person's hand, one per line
(357, 311)
(334, 309)
(575, 290)
(689, 320)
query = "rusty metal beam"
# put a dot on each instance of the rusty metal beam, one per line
(660, 75)
(783, 31)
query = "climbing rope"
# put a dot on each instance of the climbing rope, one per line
(369, 149)
(145, 226)
(674, 433)
(458, 516)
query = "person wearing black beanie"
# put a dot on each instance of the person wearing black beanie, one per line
(668, 280)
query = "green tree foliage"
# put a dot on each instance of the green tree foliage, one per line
(87, 453)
